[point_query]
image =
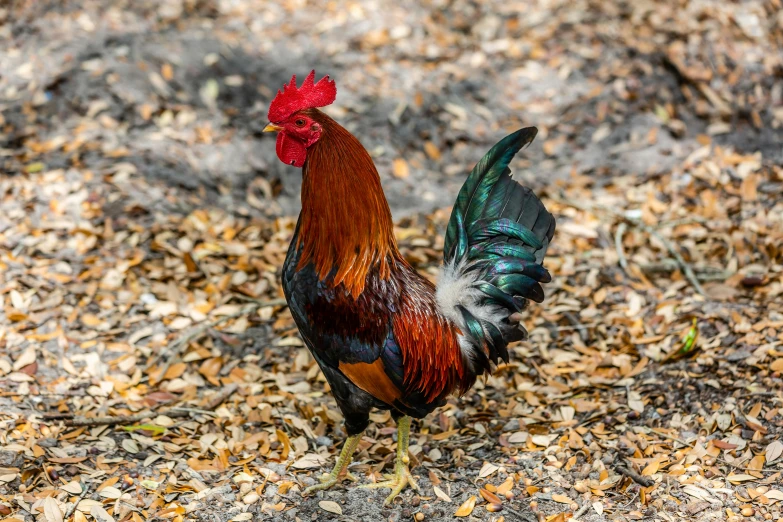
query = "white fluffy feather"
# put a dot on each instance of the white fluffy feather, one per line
(455, 287)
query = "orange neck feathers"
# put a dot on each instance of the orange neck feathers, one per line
(345, 224)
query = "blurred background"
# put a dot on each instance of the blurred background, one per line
(177, 90)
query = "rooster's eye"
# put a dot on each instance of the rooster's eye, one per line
(300, 122)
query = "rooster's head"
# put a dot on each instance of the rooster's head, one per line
(289, 115)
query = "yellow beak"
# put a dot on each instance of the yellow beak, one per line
(271, 127)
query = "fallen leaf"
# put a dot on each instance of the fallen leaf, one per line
(773, 450)
(309, 461)
(26, 358)
(331, 507)
(489, 496)
(400, 168)
(651, 469)
(466, 508)
(440, 494)
(737, 479)
(543, 440)
(73, 487)
(52, 512)
(519, 437)
(487, 469)
(100, 514)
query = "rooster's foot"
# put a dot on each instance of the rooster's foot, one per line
(327, 481)
(402, 477)
(340, 470)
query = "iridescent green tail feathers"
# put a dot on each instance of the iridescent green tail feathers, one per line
(496, 241)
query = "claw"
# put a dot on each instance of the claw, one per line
(340, 470)
(402, 474)
(327, 481)
(401, 478)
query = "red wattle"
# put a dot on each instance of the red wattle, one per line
(291, 151)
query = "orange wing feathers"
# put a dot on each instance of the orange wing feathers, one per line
(372, 378)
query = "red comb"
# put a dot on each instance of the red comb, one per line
(292, 99)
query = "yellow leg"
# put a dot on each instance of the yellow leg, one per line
(402, 476)
(340, 470)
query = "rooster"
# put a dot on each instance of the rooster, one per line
(383, 335)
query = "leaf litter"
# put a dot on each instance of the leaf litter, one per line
(150, 370)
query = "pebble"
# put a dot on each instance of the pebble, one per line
(747, 512)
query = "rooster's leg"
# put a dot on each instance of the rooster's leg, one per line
(402, 476)
(340, 470)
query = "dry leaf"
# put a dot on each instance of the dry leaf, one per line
(489, 496)
(651, 469)
(440, 494)
(100, 514)
(26, 358)
(466, 508)
(519, 437)
(331, 507)
(73, 487)
(737, 479)
(52, 511)
(487, 469)
(773, 450)
(110, 493)
(774, 494)
(543, 440)
(506, 486)
(400, 168)
(309, 461)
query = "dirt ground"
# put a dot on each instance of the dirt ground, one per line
(144, 218)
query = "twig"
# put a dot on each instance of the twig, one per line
(217, 399)
(213, 402)
(581, 511)
(71, 509)
(618, 245)
(672, 437)
(684, 266)
(704, 273)
(175, 349)
(193, 410)
(683, 221)
(522, 516)
(120, 419)
(43, 394)
(630, 501)
(631, 474)
(582, 329)
(578, 326)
